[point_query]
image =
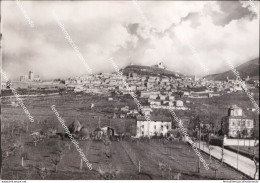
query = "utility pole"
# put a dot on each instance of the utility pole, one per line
(222, 151)
(199, 148)
(80, 167)
(237, 152)
(148, 129)
(203, 143)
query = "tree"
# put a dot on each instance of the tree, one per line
(108, 172)
(42, 171)
(57, 153)
(36, 137)
(239, 134)
(224, 129)
(162, 168)
(255, 133)
(213, 121)
(215, 166)
(107, 144)
(165, 168)
(56, 159)
(208, 138)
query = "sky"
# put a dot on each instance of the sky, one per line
(141, 33)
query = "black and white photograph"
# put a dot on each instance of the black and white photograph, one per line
(129, 90)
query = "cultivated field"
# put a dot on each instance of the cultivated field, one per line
(156, 159)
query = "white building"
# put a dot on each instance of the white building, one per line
(24, 78)
(30, 77)
(179, 103)
(158, 126)
(153, 96)
(163, 97)
(160, 65)
(172, 98)
(79, 88)
(125, 109)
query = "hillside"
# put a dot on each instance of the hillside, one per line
(250, 68)
(149, 70)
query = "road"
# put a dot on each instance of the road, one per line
(244, 164)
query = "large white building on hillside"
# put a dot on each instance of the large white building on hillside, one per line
(158, 126)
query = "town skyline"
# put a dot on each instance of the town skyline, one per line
(38, 78)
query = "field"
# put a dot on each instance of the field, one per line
(245, 150)
(156, 159)
(219, 105)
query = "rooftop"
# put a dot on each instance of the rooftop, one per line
(234, 107)
(155, 118)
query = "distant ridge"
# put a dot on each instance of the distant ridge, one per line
(149, 70)
(250, 68)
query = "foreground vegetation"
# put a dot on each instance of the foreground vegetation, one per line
(48, 156)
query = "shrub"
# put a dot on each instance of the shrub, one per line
(108, 172)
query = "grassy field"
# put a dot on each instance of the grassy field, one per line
(131, 160)
(245, 150)
(219, 105)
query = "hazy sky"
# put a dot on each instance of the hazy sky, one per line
(117, 29)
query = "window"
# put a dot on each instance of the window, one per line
(142, 132)
(155, 127)
(249, 124)
(167, 127)
(161, 126)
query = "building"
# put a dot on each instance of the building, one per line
(30, 77)
(236, 124)
(179, 103)
(125, 109)
(160, 65)
(3, 85)
(110, 99)
(24, 78)
(107, 130)
(37, 79)
(147, 110)
(158, 126)
(172, 98)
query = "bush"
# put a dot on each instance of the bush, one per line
(127, 136)
(145, 139)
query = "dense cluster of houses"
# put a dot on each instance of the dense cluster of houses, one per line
(153, 85)
(159, 91)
